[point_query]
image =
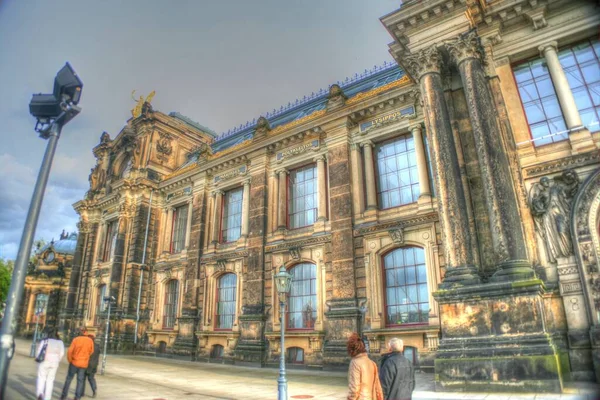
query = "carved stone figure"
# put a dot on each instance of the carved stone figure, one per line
(97, 177)
(550, 203)
(164, 148)
(336, 97)
(104, 138)
(262, 127)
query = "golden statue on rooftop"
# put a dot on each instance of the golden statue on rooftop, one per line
(137, 110)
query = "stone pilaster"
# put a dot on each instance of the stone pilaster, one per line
(343, 314)
(357, 180)
(424, 187)
(245, 209)
(579, 136)
(322, 188)
(250, 347)
(282, 200)
(216, 217)
(460, 264)
(370, 176)
(508, 240)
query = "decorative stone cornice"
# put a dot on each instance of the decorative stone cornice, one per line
(231, 255)
(290, 244)
(466, 46)
(396, 225)
(426, 61)
(563, 163)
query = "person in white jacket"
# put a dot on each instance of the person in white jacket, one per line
(55, 351)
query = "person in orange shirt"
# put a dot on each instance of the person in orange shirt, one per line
(78, 356)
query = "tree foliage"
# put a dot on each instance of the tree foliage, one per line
(6, 269)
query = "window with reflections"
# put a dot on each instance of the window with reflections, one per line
(179, 228)
(41, 305)
(295, 355)
(412, 355)
(581, 64)
(216, 352)
(231, 225)
(100, 303)
(302, 302)
(406, 292)
(303, 202)
(543, 112)
(109, 243)
(226, 296)
(398, 177)
(171, 302)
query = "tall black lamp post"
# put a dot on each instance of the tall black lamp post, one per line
(53, 111)
(283, 281)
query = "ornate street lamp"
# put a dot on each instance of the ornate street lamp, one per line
(283, 281)
(40, 308)
(109, 300)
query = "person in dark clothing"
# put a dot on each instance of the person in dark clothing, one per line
(90, 372)
(396, 373)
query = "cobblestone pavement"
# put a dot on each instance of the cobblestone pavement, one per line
(137, 378)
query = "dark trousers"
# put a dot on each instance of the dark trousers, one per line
(80, 372)
(91, 377)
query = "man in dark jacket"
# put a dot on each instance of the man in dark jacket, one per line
(90, 372)
(396, 374)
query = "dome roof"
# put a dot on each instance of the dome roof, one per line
(63, 246)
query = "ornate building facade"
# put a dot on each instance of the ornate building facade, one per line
(452, 201)
(46, 284)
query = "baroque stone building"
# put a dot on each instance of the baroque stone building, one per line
(452, 200)
(46, 284)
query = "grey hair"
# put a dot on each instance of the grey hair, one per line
(396, 344)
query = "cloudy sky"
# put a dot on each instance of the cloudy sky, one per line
(219, 62)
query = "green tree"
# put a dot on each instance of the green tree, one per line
(6, 269)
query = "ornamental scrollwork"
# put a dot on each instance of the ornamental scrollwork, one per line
(164, 147)
(466, 46)
(550, 203)
(423, 62)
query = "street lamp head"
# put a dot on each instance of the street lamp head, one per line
(283, 281)
(109, 298)
(63, 99)
(68, 85)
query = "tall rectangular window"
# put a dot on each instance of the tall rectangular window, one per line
(398, 177)
(581, 64)
(540, 103)
(110, 241)
(178, 232)
(100, 303)
(171, 299)
(231, 225)
(302, 199)
(226, 290)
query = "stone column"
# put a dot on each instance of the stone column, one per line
(282, 201)
(274, 206)
(168, 229)
(188, 227)
(421, 161)
(370, 175)
(245, 208)
(217, 216)
(563, 90)
(460, 269)
(357, 179)
(508, 240)
(322, 188)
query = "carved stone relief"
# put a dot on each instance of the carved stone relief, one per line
(550, 203)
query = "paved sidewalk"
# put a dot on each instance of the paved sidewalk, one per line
(147, 378)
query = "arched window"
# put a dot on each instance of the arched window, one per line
(295, 355)
(406, 293)
(100, 303)
(302, 311)
(216, 352)
(412, 355)
(170, 309)
(226, 293)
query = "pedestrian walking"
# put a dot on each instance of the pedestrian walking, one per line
(397, 374)
(53, 350)
(363, 377)
(78, 356)
(90, 372)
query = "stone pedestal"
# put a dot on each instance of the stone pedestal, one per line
(186, 343)
(251, 346)
(494, 339)
(341, 320)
